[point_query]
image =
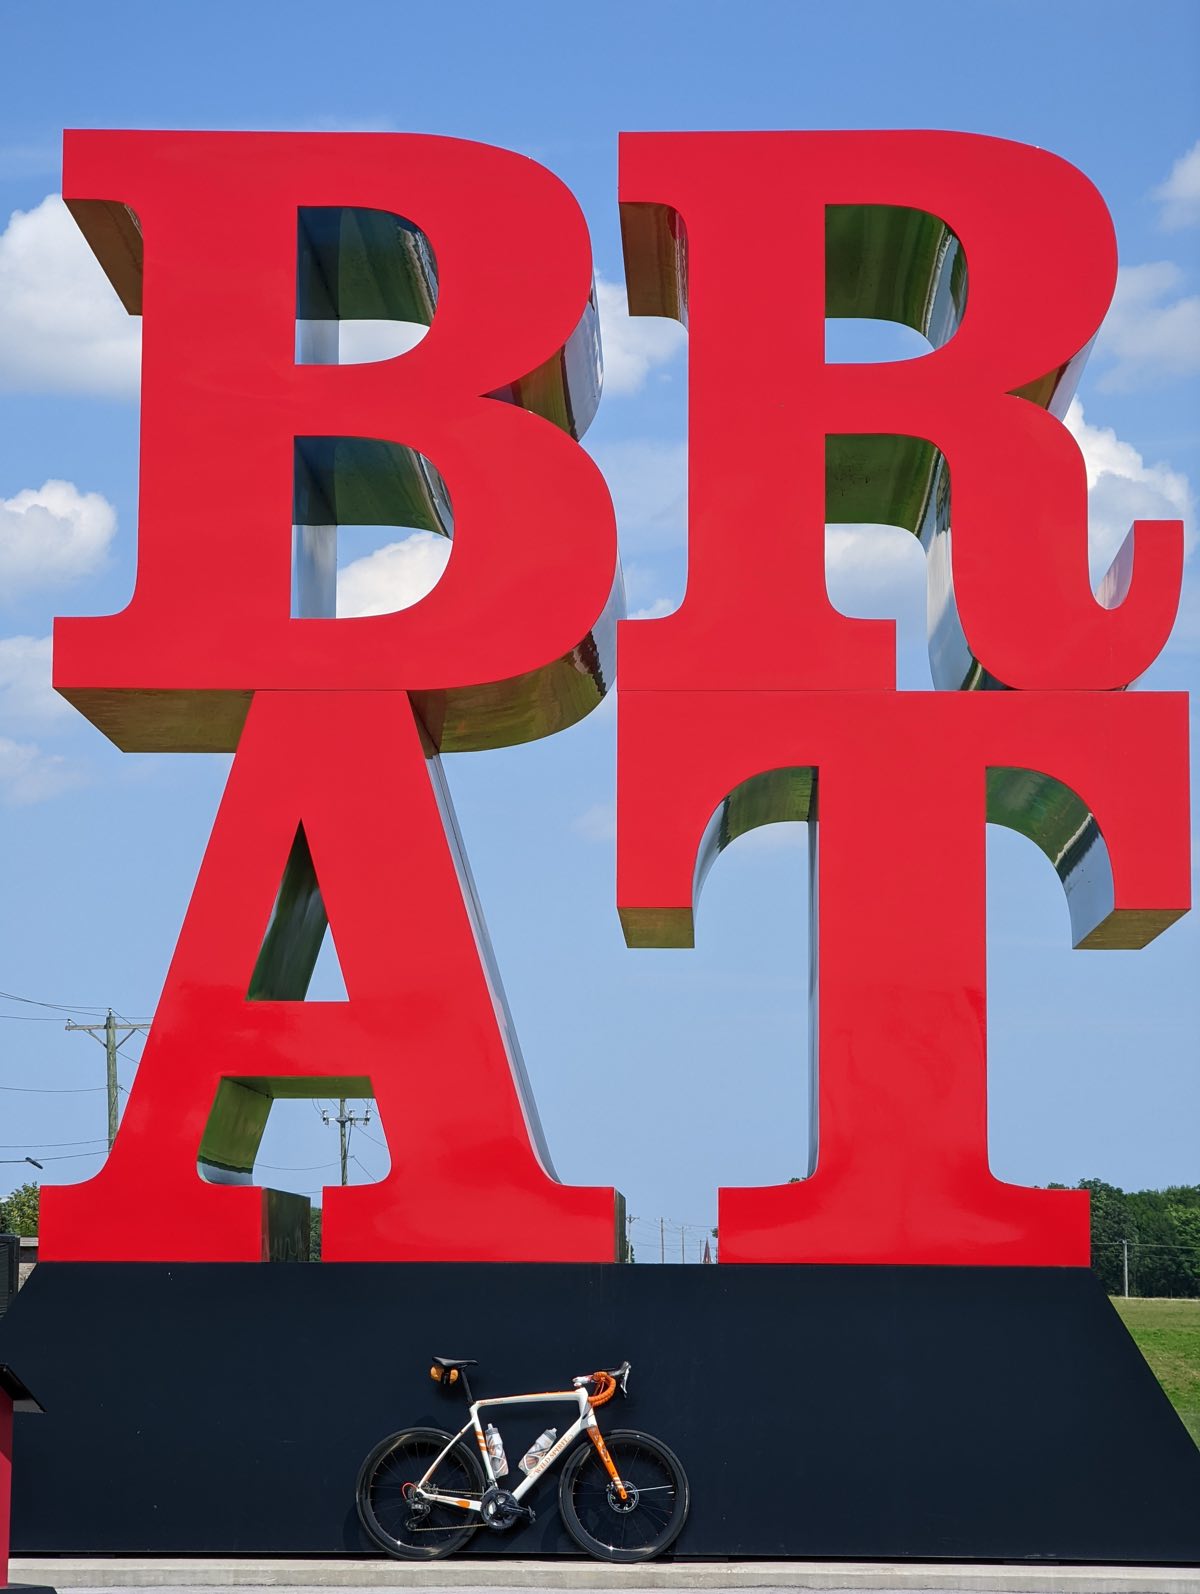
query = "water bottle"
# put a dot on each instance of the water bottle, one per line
(537, 1449)
(496, 1450)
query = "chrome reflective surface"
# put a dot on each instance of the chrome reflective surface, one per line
(1044, 810)
(368, 265)
(282, 972)
(527, 707)
(314, 547)
(776, 797)
(1050, 814)
(491, 969)
(888, 263)
(353, 264)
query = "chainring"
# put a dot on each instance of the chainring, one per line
(499, 1509)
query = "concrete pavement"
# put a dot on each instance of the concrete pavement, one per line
(567, 1577)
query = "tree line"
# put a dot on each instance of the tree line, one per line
(1157, 1231)
(19, 1211)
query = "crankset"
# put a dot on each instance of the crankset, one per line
(500, 1509)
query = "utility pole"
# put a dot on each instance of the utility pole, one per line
(109, 1031)
(662, 1240)
(345, 1122)
(682, 1242)
(1125, 1259)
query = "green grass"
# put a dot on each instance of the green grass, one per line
(1168, 1336)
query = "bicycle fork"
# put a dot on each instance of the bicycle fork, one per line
(597, 1439)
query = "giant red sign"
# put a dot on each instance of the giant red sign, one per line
(755, 702)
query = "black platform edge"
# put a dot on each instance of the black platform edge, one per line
(822, 1413)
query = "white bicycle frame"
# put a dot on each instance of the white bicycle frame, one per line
(584, 1422)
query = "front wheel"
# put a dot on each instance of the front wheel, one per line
(650, 1517)
(410, 1528)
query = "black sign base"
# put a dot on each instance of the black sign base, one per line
(821, 1412)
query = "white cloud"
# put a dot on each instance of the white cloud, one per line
(26, 696)
(878, 573)
(393, 577)
(872, 571)
(597, 823)
(52, 533)
(1180, 194)
(633, 345)
(1152, 330)
(357, 342)
(1122, 488)
(361, 341)
(643, 583)
(868, 567)
(655, 610)
(29, 775)
(62, 328)
(879, 570)
(648, 483)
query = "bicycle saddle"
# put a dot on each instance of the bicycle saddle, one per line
(451, 1362)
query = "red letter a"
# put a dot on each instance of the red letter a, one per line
(424, 1030)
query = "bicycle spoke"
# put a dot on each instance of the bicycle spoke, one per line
(632, 1520)
(398, 1518)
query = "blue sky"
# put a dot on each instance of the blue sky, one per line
(665, 1073)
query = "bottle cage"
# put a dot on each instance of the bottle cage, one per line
(606, 1388)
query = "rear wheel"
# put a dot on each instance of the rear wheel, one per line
(655, 1507)
(403, 1525)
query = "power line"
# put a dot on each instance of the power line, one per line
(61, 1007)
(654, 1234)
(294, 1167)
(51, 1090)
(345, 1122)
(112, 1046)
(679, 1223)
(691, 1239)
(70, 1156)
(32, 1018)
(54, 1144)
(1151, 1245)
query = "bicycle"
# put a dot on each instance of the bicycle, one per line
(423, 1492)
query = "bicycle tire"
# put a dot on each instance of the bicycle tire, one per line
(391, 1523)
(612, 1530)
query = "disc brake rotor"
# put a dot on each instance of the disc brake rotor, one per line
(629, 1503)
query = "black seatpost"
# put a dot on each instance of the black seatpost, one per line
(462, 1373)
